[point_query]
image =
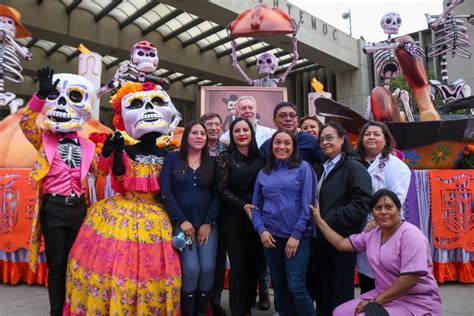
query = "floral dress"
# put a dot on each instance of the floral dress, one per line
(123, 261)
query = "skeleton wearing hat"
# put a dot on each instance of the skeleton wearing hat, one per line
(64, 159)
(10, 68)
(143, 62)
(267, 64)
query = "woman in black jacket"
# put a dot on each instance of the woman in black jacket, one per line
(237, 169)
(345, 190)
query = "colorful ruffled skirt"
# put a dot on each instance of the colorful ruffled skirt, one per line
(123, 261)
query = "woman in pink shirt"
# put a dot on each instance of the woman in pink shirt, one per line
(400, 258)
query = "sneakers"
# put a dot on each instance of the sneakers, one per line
(264, 302)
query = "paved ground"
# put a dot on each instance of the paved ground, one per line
(25, 300)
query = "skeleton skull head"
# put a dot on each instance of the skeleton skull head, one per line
(391, 22)
(7, 26)
(148, 111)
(144, 56)
(267, 63)
(69, 106)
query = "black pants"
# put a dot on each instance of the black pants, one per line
(219, 270)
(245, 255)
(60, 224)
(334, 277)
(366, 283)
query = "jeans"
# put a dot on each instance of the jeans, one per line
(289, 278)
(198, 263)
(60, 224)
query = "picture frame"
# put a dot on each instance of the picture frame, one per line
(222, 99)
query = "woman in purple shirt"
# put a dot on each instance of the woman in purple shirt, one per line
(400, 258)
(283, 191)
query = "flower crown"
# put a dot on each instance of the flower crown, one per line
(116, 99)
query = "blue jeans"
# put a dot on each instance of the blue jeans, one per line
(289, 278)
(198, 263)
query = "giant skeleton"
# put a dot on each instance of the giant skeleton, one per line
(263, 20)
(450, 37)
(143, 62)
(10, 68)
(392, 58)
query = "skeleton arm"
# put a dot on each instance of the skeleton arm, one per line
(294, 45)
(22, 51)
(236, 65)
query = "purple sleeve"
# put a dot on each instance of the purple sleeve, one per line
(413, 251)
(309, 183)
(358, 241)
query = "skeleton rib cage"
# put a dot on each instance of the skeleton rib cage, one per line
(10, 67)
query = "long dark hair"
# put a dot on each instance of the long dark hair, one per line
(384, 192)
(207, 168)
(389, 140)
(347, 148)
(294, 160)
(253, 148)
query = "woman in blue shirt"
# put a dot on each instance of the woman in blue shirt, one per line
(189, 193)
(283, 191)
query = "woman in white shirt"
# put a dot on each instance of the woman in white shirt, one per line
(375, 148)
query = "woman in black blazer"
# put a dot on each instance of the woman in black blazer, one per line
(345, 190)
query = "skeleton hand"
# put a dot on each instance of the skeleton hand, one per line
(45, 80)
(296, 26)
(114, 142)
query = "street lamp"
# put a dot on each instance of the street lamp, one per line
(345, 16)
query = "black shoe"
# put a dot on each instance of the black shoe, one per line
(264, 302)
(218, 310)
(202, 299)
(188, 303)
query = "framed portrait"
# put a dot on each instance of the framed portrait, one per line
(222, 100)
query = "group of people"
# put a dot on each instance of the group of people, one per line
(298, 200)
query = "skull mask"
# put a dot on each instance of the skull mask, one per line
(267, 63)
(7, 26)
(144, 56)
(391, 22)
(68, 108)
(147, 111)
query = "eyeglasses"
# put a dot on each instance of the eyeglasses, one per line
(328, 138)
(283, 116)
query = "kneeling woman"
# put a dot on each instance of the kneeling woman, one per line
(283, 191)
(189, 192)
(400, 258)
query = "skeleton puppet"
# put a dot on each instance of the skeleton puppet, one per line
(264, 21)
(64, 159)
(145, 112)
(143, 62)
(10, 68)
(450, 36)
(393, 57)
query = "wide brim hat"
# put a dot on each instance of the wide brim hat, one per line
(14, 14)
